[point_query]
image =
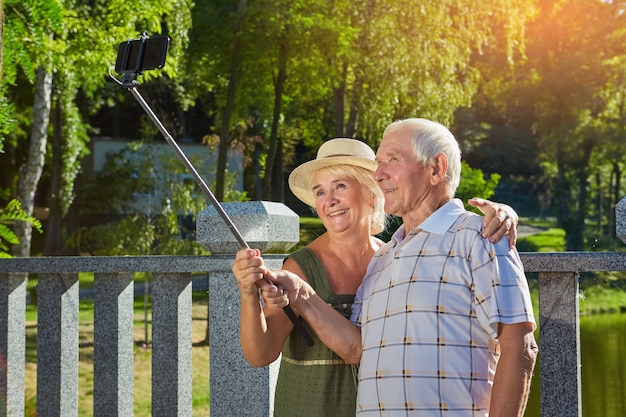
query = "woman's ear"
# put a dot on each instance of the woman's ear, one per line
(370, 198)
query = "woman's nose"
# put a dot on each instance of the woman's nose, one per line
(331, 198)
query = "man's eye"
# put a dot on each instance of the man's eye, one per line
(388, 161)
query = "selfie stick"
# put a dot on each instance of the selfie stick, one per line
(129, 81)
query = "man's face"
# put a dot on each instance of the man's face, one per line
(404, 181)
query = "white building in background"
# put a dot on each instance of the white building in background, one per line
(102, 147)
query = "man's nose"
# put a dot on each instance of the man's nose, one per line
(379, 174)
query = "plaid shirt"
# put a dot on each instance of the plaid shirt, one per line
(429, 309)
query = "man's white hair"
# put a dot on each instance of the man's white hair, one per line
(430, 139)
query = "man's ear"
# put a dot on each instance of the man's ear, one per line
(439, 169)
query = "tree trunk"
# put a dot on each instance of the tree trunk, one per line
(222, 157)
(616, 198)
(30, 173)
(353, 116)
(575, 236)
(278, 183)
(279, 85)
(1, 43)
(53, 243)
(599, 204)
(562, 190)
(339, 97)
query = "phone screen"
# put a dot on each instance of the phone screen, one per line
(153, 54)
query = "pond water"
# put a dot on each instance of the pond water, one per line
(603, 360)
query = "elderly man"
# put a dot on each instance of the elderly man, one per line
(442, 323)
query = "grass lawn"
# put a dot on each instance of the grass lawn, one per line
(142, 365)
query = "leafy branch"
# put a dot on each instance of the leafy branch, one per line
(12, 213)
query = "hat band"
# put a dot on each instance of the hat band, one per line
(341, 154)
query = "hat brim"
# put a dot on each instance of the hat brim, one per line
(301, 178)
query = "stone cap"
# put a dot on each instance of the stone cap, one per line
(268, 226)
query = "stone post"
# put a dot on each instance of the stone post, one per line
(620, 219)
(236, 387)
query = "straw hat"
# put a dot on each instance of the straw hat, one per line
(339, 151)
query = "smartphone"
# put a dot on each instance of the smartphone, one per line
(143, 54)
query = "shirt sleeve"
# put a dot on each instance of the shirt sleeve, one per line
(501, 292)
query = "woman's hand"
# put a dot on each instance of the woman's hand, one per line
(249, 269)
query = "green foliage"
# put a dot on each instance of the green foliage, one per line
(131, 235)
(27, 25)
(540, 84)
(352, 67)
(555, 118)
(76, 42)
(7, 120)
(9, 215)
(474, 183)
(85, 48)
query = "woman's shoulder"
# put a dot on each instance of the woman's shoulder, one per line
(377, 243)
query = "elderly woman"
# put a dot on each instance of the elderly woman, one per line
(339, 184)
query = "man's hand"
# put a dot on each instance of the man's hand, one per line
(288, 289)
(500, 219)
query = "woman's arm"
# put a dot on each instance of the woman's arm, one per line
(333, 329)
(262, 332)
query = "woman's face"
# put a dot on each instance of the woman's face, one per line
(341, 202)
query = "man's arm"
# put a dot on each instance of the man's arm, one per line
(333, 329)
(511, 385)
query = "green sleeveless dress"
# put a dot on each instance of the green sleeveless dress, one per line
(314, 381)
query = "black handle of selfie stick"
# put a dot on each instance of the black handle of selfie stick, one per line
(133, 89)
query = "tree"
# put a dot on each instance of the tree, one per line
(573, 49)
(554, 114)
(83, 43)
(47, 19)
(313, 70)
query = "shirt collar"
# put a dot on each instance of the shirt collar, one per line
(438, 222)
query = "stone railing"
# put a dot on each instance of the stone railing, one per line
(236, 389)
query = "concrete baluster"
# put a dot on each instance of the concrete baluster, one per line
(236, 387)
